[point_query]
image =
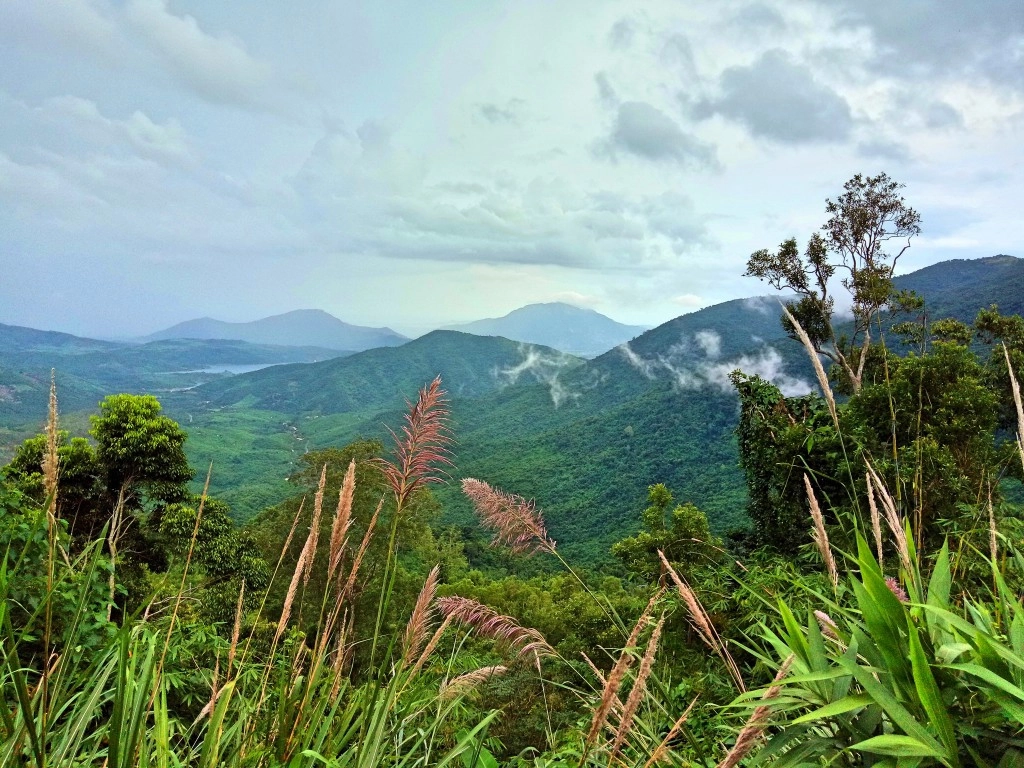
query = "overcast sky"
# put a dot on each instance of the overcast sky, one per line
(420, 163)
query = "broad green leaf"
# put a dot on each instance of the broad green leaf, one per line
(896, 746)
(841, 707)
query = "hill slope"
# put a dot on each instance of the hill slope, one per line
(562, 326)
(301, 328)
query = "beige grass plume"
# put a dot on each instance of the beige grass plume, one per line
(702, 623)
(892, 519)
(419, 621)
(754, 728)
(820, 534)
(467, 681)
(517, 523)
(636, 693)
(342, 519)
(819, 370)
(609, 694)
(876, 523)
(487, 622)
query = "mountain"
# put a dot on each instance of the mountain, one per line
(381, 378)
(577, 331)
(87, 370)
(16, 339)
(301, 328)
(960, 287)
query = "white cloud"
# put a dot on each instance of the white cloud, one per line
(218, 68)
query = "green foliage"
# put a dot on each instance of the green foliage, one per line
(685, 539)
(142, 453)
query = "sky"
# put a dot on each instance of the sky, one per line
(415, 164)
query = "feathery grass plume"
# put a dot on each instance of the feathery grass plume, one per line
(661, 751)
(609, 694)
(314, 527)
(517, 523)
(432, 644)
(469, 680)
(616, 701)
(419, 620)
(422, 449)
(487, 622)
(702, 623)
(342, 518)
(892, 520)
(819, 370)
(754, 728)
(300, 572)
(1015, 387)
(876, 522)
(993, 547)
(636, 693)
(357, 561)
(236, 629)
(51, 458)
(820, 535)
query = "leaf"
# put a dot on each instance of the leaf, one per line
(841, 707)
(896, 746)
(929, 694)
(939, 585)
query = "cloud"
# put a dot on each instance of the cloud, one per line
(605, 91)
(686, 371)
(761, 19)
(710, 342)
(358, 201)
(159, 141)
(509, 113)
(621, 34)
(690, 301)
(219, 69)
(960, 38)
(779, 99)
(885, 149)
(646, 132)
(76, 24)
(544, 368)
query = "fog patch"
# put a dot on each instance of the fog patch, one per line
(710, 342)
(541, 367)
(693, 363)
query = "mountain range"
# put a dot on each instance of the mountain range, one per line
(301, 328)
(574, 330)
(583, 437)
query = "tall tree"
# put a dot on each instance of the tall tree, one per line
(870, 227)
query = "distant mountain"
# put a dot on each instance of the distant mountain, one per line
(561, 326)
(960, 287)
(301, 328)
(381, 378)
(16, 339)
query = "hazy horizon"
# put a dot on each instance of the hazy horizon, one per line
(420, 165)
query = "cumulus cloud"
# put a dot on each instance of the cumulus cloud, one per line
(161, 141)
(644, 131)
(780, 99)
(217, 68)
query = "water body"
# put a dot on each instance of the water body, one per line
(228, 368)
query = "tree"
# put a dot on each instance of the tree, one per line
(142, 453)
(866, 225)
(685, 538)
